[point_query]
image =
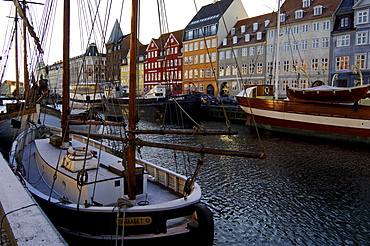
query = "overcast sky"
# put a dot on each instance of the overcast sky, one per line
(179, 13)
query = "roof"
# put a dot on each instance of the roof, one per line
(290, 6)
(116, 33)
(345, 6)
(209, 14)
(92, 50)
(248, 23)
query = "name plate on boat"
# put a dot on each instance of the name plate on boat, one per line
(135, 221)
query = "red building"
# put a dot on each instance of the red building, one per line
(163, 63)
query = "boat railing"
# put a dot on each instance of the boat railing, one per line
(167, 178)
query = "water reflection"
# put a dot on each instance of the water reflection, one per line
(307, 191)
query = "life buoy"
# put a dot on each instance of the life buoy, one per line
(267, 90)
(78, 151)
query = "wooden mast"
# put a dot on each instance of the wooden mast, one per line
(65, 103)
(16, 58)
(25, 72)
(132, 103)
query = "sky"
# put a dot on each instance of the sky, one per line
(179, 13)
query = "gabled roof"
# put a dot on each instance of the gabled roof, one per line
(162, 40)
(177, 35)
(361, 4)
(209, 14)
(116, 33)
(289, 8)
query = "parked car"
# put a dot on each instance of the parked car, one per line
(227, 100)
(209, 100)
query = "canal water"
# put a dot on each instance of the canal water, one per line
(307, 191)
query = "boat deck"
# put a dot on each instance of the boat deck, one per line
(155, 194)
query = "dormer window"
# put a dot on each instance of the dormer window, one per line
(242, 29)
(317, 10)
(224, 42)
(267, 22)
(299, 14)
(235, 40)
(233, 30)
(247, 37)
(306, 3)
(282, 17)
(255, 26)
(259, 35)
(344, 22)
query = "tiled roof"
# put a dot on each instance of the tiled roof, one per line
(290, 6)
(209, 14)
(248, 23)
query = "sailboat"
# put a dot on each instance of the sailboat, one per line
(324, 111)
(95, 197)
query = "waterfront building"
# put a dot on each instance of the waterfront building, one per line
(202, 37)
(242, 55)
(163, 64)
(350, 42)
(54, 74)
(125, 71)
(304, 48)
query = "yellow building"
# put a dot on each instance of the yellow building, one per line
(202, 36)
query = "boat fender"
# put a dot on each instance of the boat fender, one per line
(78, 150)
(205, 229)
(82, 177)
(267, 90)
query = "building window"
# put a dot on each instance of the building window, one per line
(224, 42)
(317, 10)
(228, 54)
(362, 16)
(342, 63)
(295, 46)
(201, 46)
(251, 68)
(235, 52)
(270, 48)
(260, 67)
(235, 69)
(214, 42)
(361, 38)
(286, 47)
(201, 58)
(196, 59)
(228, 70)
(221, 71)
(222, 55)
(306, 3)
(326, 25)
(296, 29)
(234, 85)
(259, 35)
(286, 66)
(190, 74)
(282, 17)
(244, 51)
(270, 34)
(201, 87)
(201, 73)
(325, 42)
(315, 64)
(298, 14)
(252, 51)
(235, 40)
(214, 57)
(304, 28)
(242, 29)
(255, 26)
(315, 43)
(196, 46)
(361, 60)
(260, 50)
(344, 22)
(287, 31)
(247, 38)
(304, 45)
(316, 26)
(343, 40)
(270, 66)
(244, 69)
(324, 64)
